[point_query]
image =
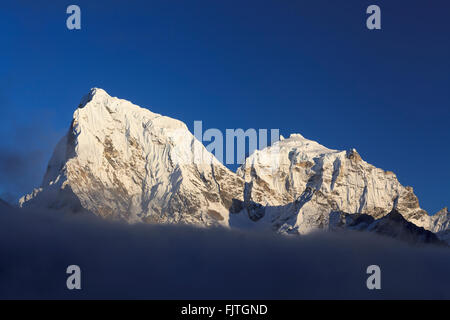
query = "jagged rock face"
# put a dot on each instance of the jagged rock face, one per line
(120, 161)
(305, 182)
(440, 221)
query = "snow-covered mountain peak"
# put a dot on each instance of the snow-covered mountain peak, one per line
(311, 181)
(296, 136)
(299, 143)
(121, 161)
(96, 94)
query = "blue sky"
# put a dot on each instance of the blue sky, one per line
(310, 67)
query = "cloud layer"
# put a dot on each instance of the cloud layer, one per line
(173, 262)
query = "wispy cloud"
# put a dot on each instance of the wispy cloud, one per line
(24, 153)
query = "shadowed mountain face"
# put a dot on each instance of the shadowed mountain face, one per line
(123, 162)
(392, 225)
(395, 225)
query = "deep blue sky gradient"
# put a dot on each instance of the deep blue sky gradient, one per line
(308, 67)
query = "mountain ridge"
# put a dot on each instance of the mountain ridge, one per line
(123, 162)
